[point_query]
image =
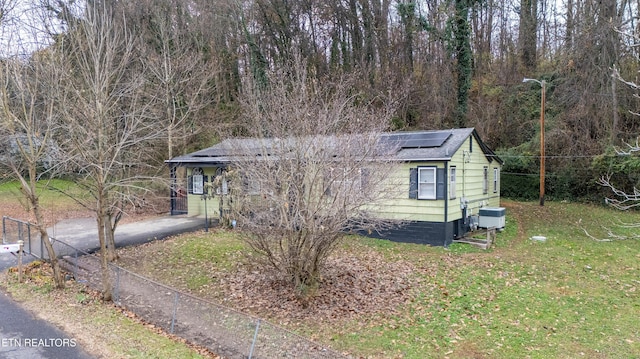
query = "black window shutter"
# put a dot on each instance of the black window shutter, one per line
(190, 184)
(413, 183)
(440, 183)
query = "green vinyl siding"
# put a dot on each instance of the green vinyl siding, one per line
(405, 208)
(470, 181)
(195, 203)
(469, 188)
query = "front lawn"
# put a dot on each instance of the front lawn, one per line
(568, 297)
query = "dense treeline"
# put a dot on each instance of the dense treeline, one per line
(452, 63)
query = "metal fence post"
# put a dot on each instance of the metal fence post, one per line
(117, 288)
(255, 337)
(175, 312)
(30, 251)
(29, 234)
(4, 229)
(19, 230)
(42, 246)
(75, 263)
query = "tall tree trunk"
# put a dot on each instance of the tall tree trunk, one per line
(464, 60)
(616, 120)
(110, 226)
(381, 16)
(569, 28)
(29, 190)
(104, 261)
(528, 33)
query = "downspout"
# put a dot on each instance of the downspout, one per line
(448, 231)
(446, 191)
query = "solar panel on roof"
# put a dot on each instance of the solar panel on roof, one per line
(417, 140)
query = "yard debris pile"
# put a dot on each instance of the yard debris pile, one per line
(351, 286)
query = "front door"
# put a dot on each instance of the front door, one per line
(179, 204)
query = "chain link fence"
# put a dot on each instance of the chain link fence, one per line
(224, 331)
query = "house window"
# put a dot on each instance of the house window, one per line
(197, 178)
(345, 181)
(452, 182)
(221, 183)
(485, 180)
(496, 173)
(253, 186)
(427, 183)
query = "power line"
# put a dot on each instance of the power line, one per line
(561, 156)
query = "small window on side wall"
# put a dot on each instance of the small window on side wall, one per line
(452, 182)
(496, 176)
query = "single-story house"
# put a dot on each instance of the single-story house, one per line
(450, 176)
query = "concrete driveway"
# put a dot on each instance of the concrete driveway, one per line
(81, 233)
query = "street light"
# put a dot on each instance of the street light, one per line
(542, 100)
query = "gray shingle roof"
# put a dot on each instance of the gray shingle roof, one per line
(412, 146)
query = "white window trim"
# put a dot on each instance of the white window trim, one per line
(421, 181)
(197, 181)
(453, 177)
(496, 173)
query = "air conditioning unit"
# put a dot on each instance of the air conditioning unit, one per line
(492, 217)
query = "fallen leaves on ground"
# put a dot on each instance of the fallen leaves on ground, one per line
(350, 286)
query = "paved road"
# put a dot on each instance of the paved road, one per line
(22, 336)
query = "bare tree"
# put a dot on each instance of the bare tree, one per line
(178, 68)
(6, 10)
(28, 126)
(314, 169)
(109, 129)
(623, 198)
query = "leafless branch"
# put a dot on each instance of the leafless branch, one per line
(611, 235)
(313, 169)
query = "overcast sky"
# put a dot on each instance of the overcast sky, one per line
(23, 28)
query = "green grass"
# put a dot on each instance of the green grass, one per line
(50, 192)
(188, 261)
(99, 328)
(567, 297)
